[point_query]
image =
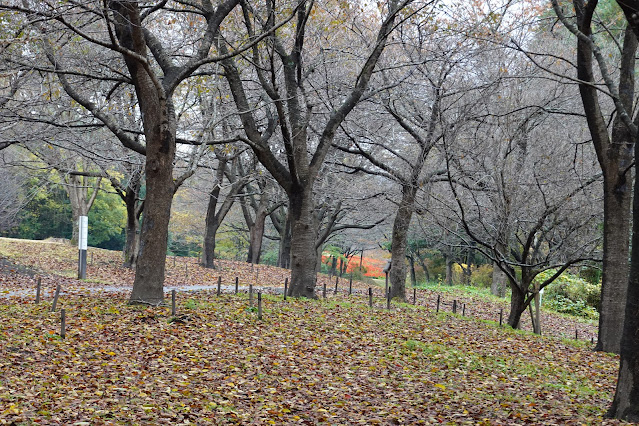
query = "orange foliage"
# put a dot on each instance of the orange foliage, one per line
(374, 267)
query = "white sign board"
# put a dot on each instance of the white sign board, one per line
(83, 228)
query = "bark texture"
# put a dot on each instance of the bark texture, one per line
(614, 153)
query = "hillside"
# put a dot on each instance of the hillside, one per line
(333, 361)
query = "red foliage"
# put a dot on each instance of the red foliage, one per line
(374, 268)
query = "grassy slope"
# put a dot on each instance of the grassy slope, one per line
(333, 362)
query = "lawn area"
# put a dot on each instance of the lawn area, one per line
(333, 361)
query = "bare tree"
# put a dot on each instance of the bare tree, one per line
(123, 34)
(282, 71)
(614, 142)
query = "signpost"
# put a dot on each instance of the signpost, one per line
(83, 235)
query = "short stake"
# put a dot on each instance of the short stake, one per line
(55, 298)
(63, 323)
(237, 285)
(285, 287)
(219, 285)
(438, 298)
(38, 290)
(501, 316)
(370, 297)
(259, 305)
(350, 285)
(251, 295)
(172, 302)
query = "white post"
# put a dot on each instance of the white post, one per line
(83, 231)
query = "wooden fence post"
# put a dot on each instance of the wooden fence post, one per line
(251, 295)
(501, 316)
(55, 298)
(237, 284)
(370, 297)
(285, 287)
(438, 297)
(386, 282)
(38, 289)
(324, 291)
(259, 305)
(414, 296)
(219, 285)
(336, 283)
(63, 323)
(173, 302)
(350, 285)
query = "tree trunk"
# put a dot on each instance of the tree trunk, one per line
(517, 306)
(449, 269)
(134, 208)
(413, 276)
(615, 265)
(500, 279)
(284, 252)
(257, 232)
(333, 271)
(132, 237)
(399, 242)
(210, 230)
(158, 119)
(422, 263)
(213, 219)
(614, 154)
(148, 286)
(625, 405)
(303, 236)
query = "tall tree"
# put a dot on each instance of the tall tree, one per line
(625, 405)
(614, 145)
(282, 68)
(125, 32)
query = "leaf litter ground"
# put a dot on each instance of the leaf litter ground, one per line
(333, 361)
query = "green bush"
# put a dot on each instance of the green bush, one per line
(571, 294)
(564, 305)
(483, 276)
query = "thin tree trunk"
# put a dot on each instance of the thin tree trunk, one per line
(422, 263)
(499, 282)
(284, 252)
(449, 269)
(132, 239)
(257, 233)
(413, 276)
(134, 209)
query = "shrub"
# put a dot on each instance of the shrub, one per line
(483, 276)
(571, 294)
